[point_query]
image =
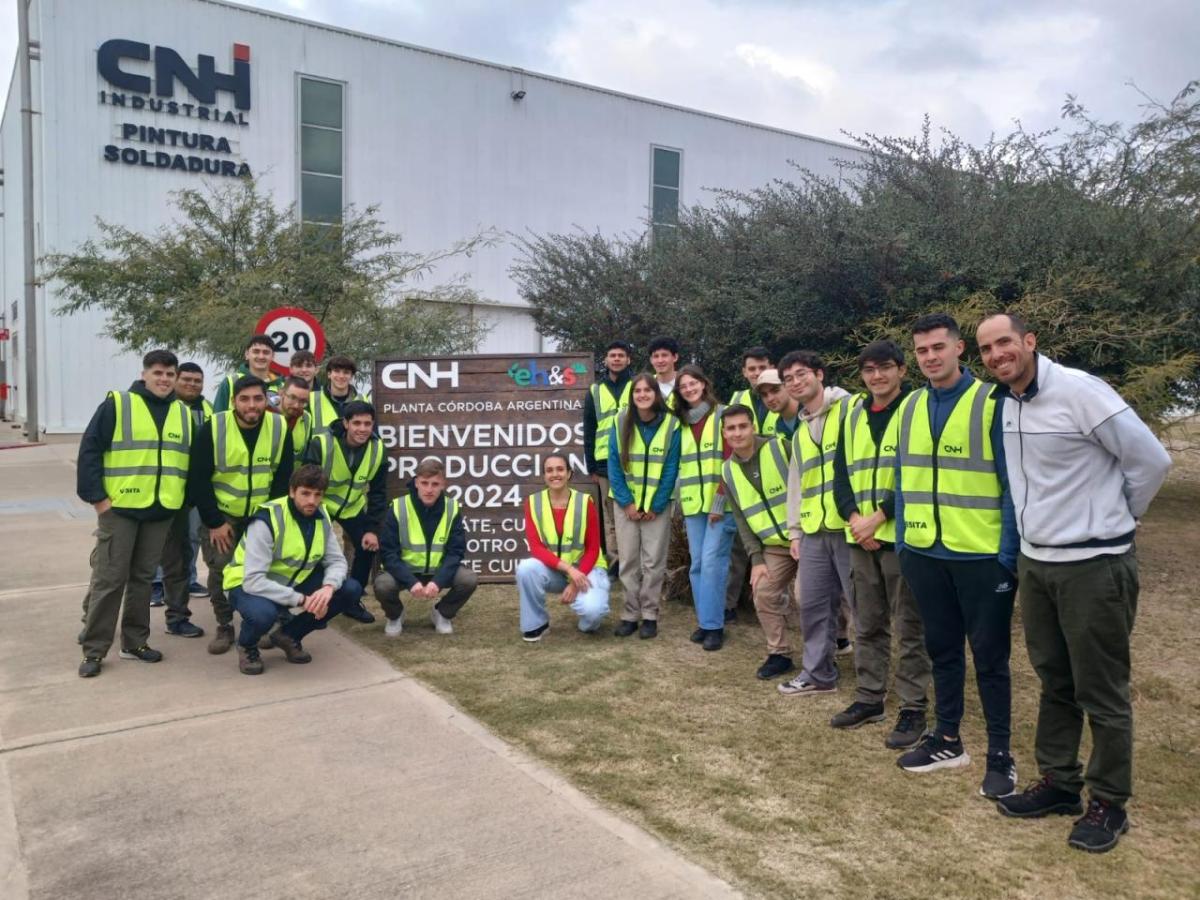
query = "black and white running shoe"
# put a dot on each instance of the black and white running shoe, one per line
(933, 753)
(1000, 780)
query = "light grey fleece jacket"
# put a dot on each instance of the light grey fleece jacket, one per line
(1082, 467)
(259, 545)
(815, 423)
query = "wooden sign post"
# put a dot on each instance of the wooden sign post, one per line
(490, 419)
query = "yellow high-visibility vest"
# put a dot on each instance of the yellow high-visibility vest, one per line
(144, 465)
(241, 479)
(606, 407)
(765, 427)
(347, 492)
(870, 466)
(646, 462)
(700, 464)
(570, 545)
(818, 509)
(292, 560)
(764, 506)
(422, 555)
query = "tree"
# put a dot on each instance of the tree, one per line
(200, 284)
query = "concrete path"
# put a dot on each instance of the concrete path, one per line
(186, 779)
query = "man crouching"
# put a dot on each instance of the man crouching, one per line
(290, 558)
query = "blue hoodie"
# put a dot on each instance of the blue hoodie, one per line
(941, 403)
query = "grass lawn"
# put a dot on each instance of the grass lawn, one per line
(758, 788)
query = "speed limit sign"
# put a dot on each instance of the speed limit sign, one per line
(291, 329)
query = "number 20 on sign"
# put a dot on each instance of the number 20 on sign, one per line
(291, 329)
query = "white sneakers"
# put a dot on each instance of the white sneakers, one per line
(394, 627)
(440, 622)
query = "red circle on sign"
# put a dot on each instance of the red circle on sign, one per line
(276, 326)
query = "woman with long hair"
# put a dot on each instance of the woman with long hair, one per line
(710, 529)
(645, 445)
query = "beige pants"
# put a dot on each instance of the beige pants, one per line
(774, 601)
(643, 547)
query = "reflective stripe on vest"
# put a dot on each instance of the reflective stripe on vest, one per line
(951, 492)
(769, 422)
(347, 492)
(818, 509)
(421, 555)
(324, 413)
(301, 434)
(606, 407)
(764, 507)
(292, 561)
(646, 463)
(700, 464)
(144, 465)
(570, 545)
(241, 480)
(871, 466)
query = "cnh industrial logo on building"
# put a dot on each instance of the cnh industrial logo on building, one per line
(119, 61)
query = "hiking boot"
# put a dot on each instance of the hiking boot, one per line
(441, 624)
(1100, 827)
(145, 653)
(1041, 798)
(532, 637)
(626, 628)
(858, 714)
(290, 646)
(90, 667)
(698, 635)
(1000, 779)
(843, 647)
(185, 629)
(393, 628)
(648, 630)
(933, 753)
(803, 686)
(909, 727)
(157, 597)
(777, 664)
(222, 640)
(249, 661)
(264, 642)
(714, 639)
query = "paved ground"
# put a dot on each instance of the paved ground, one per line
(343, 778)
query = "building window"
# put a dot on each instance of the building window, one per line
(322, 149)
(665, 165)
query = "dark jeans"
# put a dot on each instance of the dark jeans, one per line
(1078, 617)
(972, 601)
(360, 567)
(259, 614)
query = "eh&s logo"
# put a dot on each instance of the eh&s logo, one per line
(528, 374)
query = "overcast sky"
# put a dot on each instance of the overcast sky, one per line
(813, 66)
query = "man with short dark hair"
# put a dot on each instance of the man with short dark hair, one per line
(353, 458)
(956, 538)
(664, 359)
(241, 461)
(288, 561)
(303, 365)
(260, 351)
(755, 361)
(293, 406)
(133, 468)
(604, 400)
(1084, 469)
(328, 403)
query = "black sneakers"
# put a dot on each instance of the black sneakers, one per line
(714, 639)
(145, 653)
(858, 714)
(698, 635)
(90, 667)
(1000, 779)
(626, 628)
(1100, 828)
(532, 637)
(184, 628)
(933, 753)
(1041, 798)
(359, 613)
(909, 727)
(648, 630)
(776, 665)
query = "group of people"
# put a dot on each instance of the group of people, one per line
(916, 511)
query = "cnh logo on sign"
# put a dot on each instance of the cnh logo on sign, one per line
(404, 376)
(528, 374)
(203, 82)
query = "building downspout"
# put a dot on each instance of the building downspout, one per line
(24, 49)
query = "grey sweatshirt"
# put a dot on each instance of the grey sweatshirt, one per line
(260, 550)
(1082, 466)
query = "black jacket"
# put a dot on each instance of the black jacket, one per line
(376, 490)
(456, 545)
(614, 387)
(200, 473)
(97, 439)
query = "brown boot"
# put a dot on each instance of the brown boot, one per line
(291, 649)
(264, 642)
(222, 640)
(249, 662)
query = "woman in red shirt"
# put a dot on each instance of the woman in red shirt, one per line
(562, 528)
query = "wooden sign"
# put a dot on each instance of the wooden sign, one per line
(490, 419)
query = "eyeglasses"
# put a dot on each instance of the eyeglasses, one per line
(883, 369)
(796, 375)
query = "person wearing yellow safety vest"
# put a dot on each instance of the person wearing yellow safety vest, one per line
(423, 546)
(132, 468)
(644, 454)
(816, 530)
(664, 357)
(239, 463)
(293, 406)
(710, 527)
(783, 409)
(562, 529)
(956, 538)
(328, 400)
(288, 561)
(605, 398)
(260, 351)
(755, 482)
(864, 481)
(352, 455)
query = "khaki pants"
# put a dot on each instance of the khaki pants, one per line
(608, 516)
(123, 562)
(773, 599)
(884, 603)
(643, 547)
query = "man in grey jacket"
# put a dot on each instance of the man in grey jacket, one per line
(1083, 469)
